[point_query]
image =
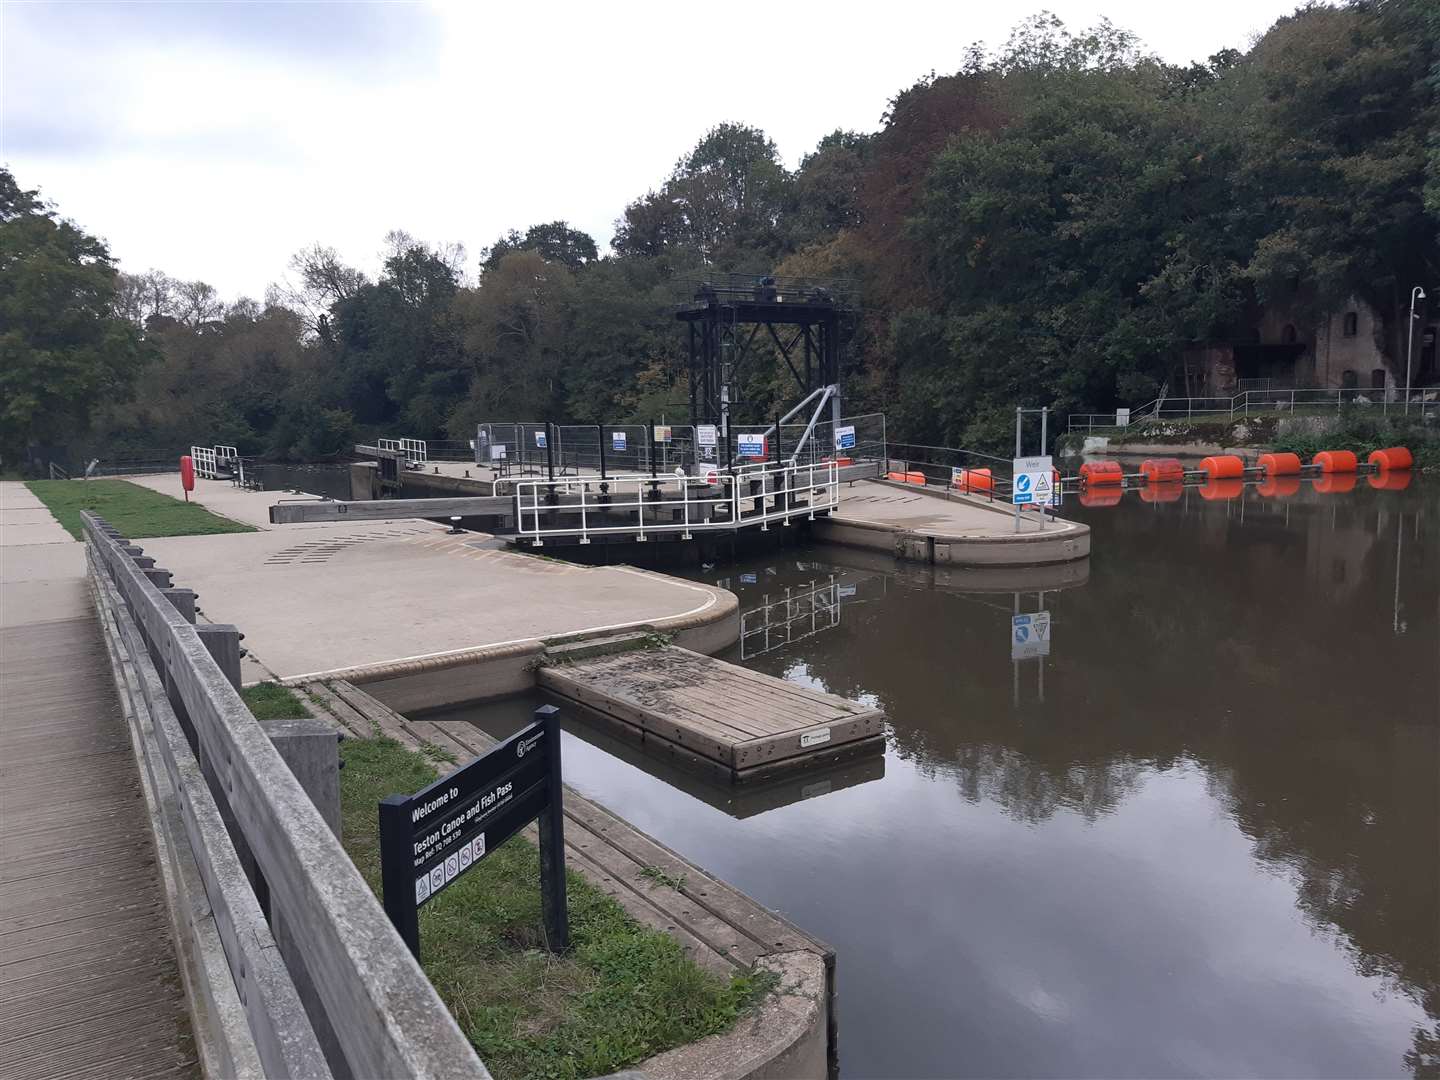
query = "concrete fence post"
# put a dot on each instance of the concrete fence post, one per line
(182, 600)
(223, 642)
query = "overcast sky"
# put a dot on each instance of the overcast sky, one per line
(212, 140)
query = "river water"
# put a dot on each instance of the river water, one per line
(1200, 837)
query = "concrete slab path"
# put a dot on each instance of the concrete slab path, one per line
(89, 983)
(959, 517)
(324, 598)
(222, 497)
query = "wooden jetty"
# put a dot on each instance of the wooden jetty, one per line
(710, 711)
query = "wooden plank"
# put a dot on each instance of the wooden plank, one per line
(386, 1015)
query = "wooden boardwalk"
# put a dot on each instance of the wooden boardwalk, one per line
(745, 722)
(89, 982)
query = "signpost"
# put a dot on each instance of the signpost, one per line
(1034, 481)
(1030, 635)
(751, 446)
(431, 838)
(845, 438)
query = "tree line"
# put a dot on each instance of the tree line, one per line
(1052, 223)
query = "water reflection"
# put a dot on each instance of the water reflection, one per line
(1210, 849)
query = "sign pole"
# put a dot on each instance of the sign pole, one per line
(552, 839)
(1044, 418)
(1013, 478)
(395, 877)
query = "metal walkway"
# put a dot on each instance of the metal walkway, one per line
(89, 983)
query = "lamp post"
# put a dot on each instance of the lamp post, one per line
(1417, 293)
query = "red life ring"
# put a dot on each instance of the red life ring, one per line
(187, 472)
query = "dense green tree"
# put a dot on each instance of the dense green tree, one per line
(63, 348)
(554, 241)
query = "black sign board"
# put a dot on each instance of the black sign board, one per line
(431, 838)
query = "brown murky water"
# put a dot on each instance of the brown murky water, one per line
(1200, 837)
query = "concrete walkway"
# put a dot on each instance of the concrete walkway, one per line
(221, 497)
(928, 514)
(314, 600)
(89, 984)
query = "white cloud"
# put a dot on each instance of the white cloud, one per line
(213, 140)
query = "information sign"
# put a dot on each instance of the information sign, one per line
(540, 439)
(845, 438)
(429, 839)
(662, 434)
(707, 436)
(751, 446)
(617, 440)
(497, 451)
(1030, 635)
(1034, 480)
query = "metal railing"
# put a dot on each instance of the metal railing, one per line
(1423, 403)
(294, 967)
(644, 506)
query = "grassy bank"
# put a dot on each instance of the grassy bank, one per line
(271, 701)
(623, 993)
(136, 511)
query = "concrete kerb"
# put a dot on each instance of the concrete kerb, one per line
(505, 668)
(1061, 541)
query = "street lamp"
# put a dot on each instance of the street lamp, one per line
(1417, 293)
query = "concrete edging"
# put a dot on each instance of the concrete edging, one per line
(485, 672)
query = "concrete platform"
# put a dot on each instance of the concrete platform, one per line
(922, 525)
(395, 600)
(221, 497)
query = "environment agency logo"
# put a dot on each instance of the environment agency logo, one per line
(524, 746)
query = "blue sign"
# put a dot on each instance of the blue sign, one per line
(750, 445)
(617, 440)
(540, 439)
(845, 438)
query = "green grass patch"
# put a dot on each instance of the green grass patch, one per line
(623, 992)
(271, 701)
(134, 510)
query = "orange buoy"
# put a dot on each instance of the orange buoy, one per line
(1280, 464)
(1223, 467)
(1278, 487)
(1105, 495)
(1162, 491)
(1389, 480)
(974, 480)
(1222, 488)
(1335, 483)
(1161, 470)
(906, 477)
(1101, 472)
(1336, 461)
(1394, 457)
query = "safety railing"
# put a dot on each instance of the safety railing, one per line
(1422, 402)
(646, 506)
(203, 458)
(294, 967)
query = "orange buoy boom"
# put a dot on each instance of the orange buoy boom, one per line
(974, 480)
(1094, 473)
(1394, 457)
(1336, 461)
(1223, 467)
(1162, 491)
(1280, 464)
(1389, 479)
(1161, 470)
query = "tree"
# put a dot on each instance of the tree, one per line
(554, 242)
(63, 347)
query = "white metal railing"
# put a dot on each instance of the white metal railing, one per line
(414, 450)
(203, 458)
(643, 506)
(1423, 402)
